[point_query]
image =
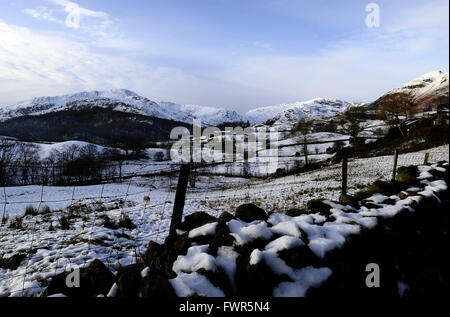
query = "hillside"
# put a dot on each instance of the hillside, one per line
(94, 124)
(119, 100)
(104, 116)
(292, 112)
(211, 116)
(428, 91)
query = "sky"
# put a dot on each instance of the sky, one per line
(236, 54)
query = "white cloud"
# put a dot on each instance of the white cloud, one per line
(36, 64)
(74, 8)
(358, 68)
(42, 13)
(33, 64)
(75, 13)
(73, 16)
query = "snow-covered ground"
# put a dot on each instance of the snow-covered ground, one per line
(294, 191)
(51, 252)
(45, 149)
(289, 154)
(316, 231)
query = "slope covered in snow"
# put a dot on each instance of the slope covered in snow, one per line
(425, 84)
(208, 115)
(121, 100)
(292, 112)
(430, 89)
(55, 251)
(127, 101)
(117, 99)
(427, 90)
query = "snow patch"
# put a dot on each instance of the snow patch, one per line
(205, 230)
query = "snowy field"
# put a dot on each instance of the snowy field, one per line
(49, 252)
(282, 194)
(289, 154)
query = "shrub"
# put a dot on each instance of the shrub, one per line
(126, 222)
(64, 223)
(16, 223)
(30, 211)
(4, 219)
(337, 146)
(108, 222)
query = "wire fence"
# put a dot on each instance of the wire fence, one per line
(69, 226)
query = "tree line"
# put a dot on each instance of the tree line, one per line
(21, 164)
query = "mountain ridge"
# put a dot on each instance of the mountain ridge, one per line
(124, 100)
(292, 112)
(427, 89)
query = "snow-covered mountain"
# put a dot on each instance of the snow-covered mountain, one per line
(117, 99)
(292, 112)
(209, 115)
(427, 90)
(120, 100)
(432, 82)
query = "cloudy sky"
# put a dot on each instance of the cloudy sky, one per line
(237, 54)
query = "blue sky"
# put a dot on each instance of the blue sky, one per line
(228, 53)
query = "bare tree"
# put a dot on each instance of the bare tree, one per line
(303, 126)
(353, 118)
(8, 160)
(29, 161)
(73, 152)
(317, 150)
(90, 151)
(394, 108)
(304, 149)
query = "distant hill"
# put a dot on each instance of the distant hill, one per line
(97, 125)
(119, 100)
(292, 112)
(106, 116)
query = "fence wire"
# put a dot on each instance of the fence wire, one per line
(94, 212)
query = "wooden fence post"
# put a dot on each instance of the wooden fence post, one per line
(427, 156)
(180, 195)
(394, 171)
(344, 174)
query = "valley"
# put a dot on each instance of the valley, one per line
(90, 177)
